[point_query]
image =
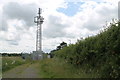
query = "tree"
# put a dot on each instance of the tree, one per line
(63, 44)
(59, 47)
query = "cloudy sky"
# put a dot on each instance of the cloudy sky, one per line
(64, 20)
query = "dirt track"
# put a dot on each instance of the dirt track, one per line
(23, 71)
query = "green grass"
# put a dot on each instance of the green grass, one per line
(55, 68)
(11, 62)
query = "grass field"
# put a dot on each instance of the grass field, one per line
(11, 62)
(55, 68)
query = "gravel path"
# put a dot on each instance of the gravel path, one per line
(23, 71)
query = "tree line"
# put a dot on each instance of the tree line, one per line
(10, 54)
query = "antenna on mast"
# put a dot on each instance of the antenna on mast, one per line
(39, 20)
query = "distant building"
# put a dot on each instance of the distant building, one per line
(37, 55)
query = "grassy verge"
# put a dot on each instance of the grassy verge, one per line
(11, 62)
(55, 68)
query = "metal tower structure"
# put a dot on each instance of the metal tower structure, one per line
(39, 20)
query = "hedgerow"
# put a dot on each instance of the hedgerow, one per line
(100, 53)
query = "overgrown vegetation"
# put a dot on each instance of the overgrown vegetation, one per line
(100, 53)
(57, 68)
(11, 62)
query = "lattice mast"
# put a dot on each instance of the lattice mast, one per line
(39, 20)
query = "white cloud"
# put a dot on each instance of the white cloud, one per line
(18, 30)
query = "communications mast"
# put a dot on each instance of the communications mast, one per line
(39, 20)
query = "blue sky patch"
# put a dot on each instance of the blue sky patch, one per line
(72, 8)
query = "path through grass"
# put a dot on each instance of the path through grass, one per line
(29, 70)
